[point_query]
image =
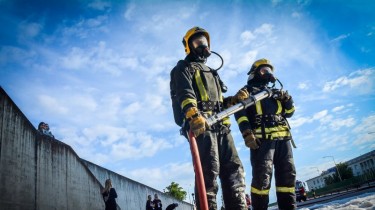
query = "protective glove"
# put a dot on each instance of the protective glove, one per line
(250, 140)
(241, 95)
(283, 96)
(196, 121)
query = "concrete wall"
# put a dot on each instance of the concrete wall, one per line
(37, 172)
(40, 173)
(131, 194)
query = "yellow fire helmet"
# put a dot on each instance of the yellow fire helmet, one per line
(256, 64)
(190, 33)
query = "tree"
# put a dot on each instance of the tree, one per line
(345, 171)
(176, 191)
(329, 180)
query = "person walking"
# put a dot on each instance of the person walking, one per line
(267, 133)
(109, 196)
(197, 90)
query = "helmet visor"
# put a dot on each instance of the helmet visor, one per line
(264, 70)
(266, 73)
(199, 41)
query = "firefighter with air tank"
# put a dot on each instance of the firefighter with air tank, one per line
(197, 93)
(267, 133)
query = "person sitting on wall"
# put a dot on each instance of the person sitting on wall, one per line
(43, 128)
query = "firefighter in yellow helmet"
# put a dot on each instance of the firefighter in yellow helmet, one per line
(197, 90)
(267, 133)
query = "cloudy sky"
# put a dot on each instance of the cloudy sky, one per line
(98, 73)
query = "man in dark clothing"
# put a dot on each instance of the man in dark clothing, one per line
(199, 94)
(149, 204)
(172, 206)
(266, 132)
(157, 202)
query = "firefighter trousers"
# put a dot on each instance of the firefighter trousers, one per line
(219, 158)
(277, 154)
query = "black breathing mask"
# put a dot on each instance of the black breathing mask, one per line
(265, 74)
(202, 51)
(200, 47)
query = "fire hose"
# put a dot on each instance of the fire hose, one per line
(266, 93)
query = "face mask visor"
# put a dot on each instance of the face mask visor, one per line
(266, 73)
(200, 46)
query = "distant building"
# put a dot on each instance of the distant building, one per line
(362, 164)
(359, 165)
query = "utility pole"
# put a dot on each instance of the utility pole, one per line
(338, 172)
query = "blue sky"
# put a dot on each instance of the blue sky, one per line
(98, 73)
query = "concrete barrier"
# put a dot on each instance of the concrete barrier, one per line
(132, 194)
(41, 173)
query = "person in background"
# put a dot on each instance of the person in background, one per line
(313, 193)
(109, 196)
(266, 132)
(248, 201)
(157, 202)
(149, 204)
(43, 128)
(172, 206)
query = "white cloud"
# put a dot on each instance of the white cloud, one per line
(275, 2)
(265, 29)
(99, 58)
(338, 108)
(320, 115)
(336, 124)
(162, 176)
(340, 38)
(84, 28)
(52, 104)
(360, 82)
(247, 37)
(338, 142)
(259, 37)
(303, 86)
(29, 30)
(129, 12)
(299, 121)
(296, 15)
(365, 131)
(244, 62)
(138, 146)
(367, 125)
(10, 54)
(100, 5)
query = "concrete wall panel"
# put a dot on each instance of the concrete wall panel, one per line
(131, 194)
(37, 172)
(41, 173)
(17, 162)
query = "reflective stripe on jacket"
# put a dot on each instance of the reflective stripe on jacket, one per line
(205, 87)
(255, 118)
